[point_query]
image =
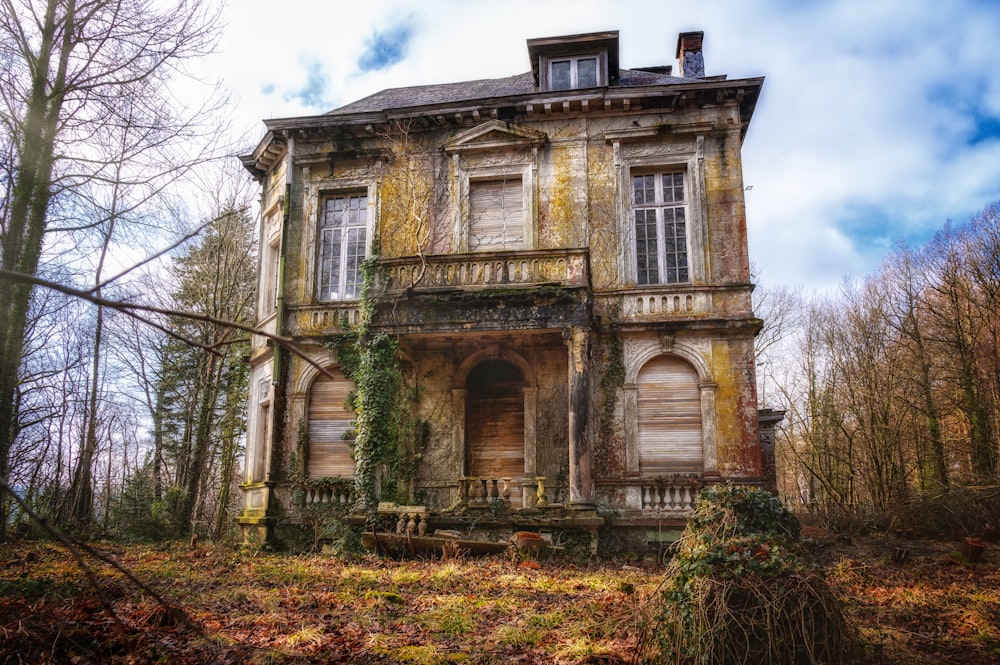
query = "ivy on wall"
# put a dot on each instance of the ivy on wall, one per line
(389, 438)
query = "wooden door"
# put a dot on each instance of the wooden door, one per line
(495, 424)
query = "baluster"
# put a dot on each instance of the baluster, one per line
(484, 492)
(506, 489)
(646, 498)
(494, 490)
(411, 524)
(689, 498)
(540, 493)
(400, 524)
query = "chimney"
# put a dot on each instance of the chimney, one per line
(689, 55)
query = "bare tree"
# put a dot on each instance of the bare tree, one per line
(73, 69)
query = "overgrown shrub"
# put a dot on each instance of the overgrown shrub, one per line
(738, 590)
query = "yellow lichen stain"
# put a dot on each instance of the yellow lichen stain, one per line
(726, 402)
(559, 214)
(604, 236)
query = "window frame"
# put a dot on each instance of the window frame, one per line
(665, 234)
(468, 176)
(513, 217)
(322, 291)
(574, 71)
(634, 155)
(600, 58)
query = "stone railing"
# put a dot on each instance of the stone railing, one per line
(334, 494)
(668, 498)
(479, 270)
(321, 319)
(528, 492)
(672, 495)
(642, 305)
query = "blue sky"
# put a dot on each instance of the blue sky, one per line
(879, 119)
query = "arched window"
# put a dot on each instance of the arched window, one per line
(331, 427)
(669, 410)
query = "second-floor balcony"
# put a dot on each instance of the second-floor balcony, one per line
(475, 271)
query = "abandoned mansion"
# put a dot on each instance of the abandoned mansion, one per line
(559, 259)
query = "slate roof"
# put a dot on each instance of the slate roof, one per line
(511, 86)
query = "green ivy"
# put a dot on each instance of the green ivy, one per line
(388, 437)
(612, 379)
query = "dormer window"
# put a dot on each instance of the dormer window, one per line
(573, 73)
(574, 62)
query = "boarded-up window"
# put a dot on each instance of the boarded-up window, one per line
(670, 439)
(496, 214)
(331, 423)
(495, 427)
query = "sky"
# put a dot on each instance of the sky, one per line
(879, 120)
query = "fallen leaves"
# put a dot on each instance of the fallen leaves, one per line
(257, 607)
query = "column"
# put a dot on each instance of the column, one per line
(581, 477)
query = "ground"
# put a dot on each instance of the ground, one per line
(254, 607)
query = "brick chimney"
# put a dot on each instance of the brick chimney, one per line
(689, 55)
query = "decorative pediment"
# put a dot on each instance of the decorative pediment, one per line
(494, 135)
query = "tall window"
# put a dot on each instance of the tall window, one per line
(659, 205)
(343, 227)
(496, 214)
(573, 73)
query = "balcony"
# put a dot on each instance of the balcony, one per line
(487, 270)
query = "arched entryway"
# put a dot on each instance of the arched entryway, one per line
(669, 418)
(495, 423)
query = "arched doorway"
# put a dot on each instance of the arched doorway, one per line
(495, 423)
(669, 413)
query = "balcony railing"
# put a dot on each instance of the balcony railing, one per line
(526, 492)
(484, 270)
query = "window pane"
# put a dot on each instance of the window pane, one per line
(644, 188)
(645, 241)
(559, 75)
(586, 72)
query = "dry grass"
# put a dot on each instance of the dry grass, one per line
(264, 608)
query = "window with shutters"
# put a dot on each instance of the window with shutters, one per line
(659, 210)
(343, 230)
(669, 415)
(331, 427)
(496, 214)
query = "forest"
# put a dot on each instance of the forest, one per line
(127, 296)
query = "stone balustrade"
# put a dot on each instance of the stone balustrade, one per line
(341, 494)
(527, 492)
(669, 498)
(642, 305)
(478, 270)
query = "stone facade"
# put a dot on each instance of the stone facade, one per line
(563, 259)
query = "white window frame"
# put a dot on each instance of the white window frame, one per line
(666, 213)
(547, 61)
(574, 68)
(344, 286)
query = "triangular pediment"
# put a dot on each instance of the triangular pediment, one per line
(494, 135)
